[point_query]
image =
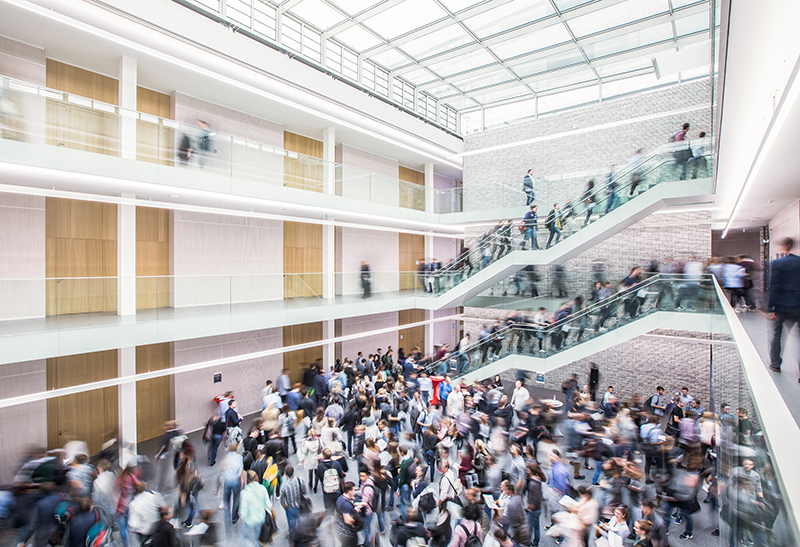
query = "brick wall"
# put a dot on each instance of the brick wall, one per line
(593, 151)
(641, 364)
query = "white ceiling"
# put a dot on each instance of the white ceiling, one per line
(762, 56)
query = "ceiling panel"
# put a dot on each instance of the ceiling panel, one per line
(318, 13)
(616, 15)
(404, 17)
(508, 16)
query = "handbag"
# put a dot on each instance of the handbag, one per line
(268, 529)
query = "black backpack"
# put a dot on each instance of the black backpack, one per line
(551, 219)
(472, 539)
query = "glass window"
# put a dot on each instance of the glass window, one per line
(562, 59)
(292, 34)
(318, 13)
(629, 85)
(358, 38)
(390, 59)
(404, 17)
(419, 76)
(368, 75)
(239, 11)
(698, 72)
(564, 79)
(503, 94)
(471, 122)
(616, 15)
(436, 42)
(426, 106)
(440, 90)
(509, 112)
(691, 24)
(564, 5)
(354, 7)
(508, 16)
(497, 77)
(566, 99)
(541, 39)
(264, 19)
(457, 5)
(466, 61)
(381, 81)
(448, 117)
(632, 40)
(605, 69)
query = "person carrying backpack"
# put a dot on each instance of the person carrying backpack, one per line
(468, 533)
(331, 475)
(348, 520)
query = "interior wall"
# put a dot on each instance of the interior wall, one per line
(446, 332)
(301, 172)
(72, 79)
(408, 338)
(17, 379)
(154, 140)
(297, 361)
(152, 257)
(154, 402)
(412, 196)
(259, 163)
(494, 179)
(81, 242)
(363, 173)
(411, 254)
(22, 248)
(380, 250)
(784, 224)
(22, 61)
(92, 416)
(196, 390)
(232, 258)
(302, 254)
(369, 344)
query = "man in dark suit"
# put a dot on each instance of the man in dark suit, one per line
(784, 300)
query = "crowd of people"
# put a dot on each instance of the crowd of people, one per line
(398, 459)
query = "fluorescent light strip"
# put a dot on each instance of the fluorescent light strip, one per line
(64, 19)
(787, 101)
(582, 131)
(82, 388)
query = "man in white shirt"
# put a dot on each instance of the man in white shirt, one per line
(519, 399)
(455, 402)
(425, 386)
(608, 394)
(284, 384)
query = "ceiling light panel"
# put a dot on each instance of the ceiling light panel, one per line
(318, 13)
(446, 39)
(359, 39)
(405, 17)
(509, 16)
(616, 15)
(541, 39)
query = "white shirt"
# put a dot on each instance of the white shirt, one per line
(520, 398)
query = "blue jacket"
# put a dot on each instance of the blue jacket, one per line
(784, 287)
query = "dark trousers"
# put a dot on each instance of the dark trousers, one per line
(790, 320)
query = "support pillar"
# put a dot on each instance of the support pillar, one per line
(127, 103)
(328, 231)
(329, 349)
(429, 341)
(430, 193)
(126, 258)
(329, 157)
(126, 363)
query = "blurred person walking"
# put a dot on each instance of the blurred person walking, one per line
(784, 300)
(527, 187)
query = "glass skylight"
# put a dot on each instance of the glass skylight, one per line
(439, 57)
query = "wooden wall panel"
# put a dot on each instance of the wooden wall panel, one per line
(76, 126)
(301, 172)
(154, 141)
(302, 254)
(412, 251)
(153, 397)
(152, 257)
(81, 242)
(297, 361)
(412, 197)
(91, 416)
(413, 336)
(91, 85)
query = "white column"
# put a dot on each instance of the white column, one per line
(328, 261)
(329, 157)
(126, 258)
(430, 194)
(429, 341)
(126, 363)
(127, 103)
(329, 350)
